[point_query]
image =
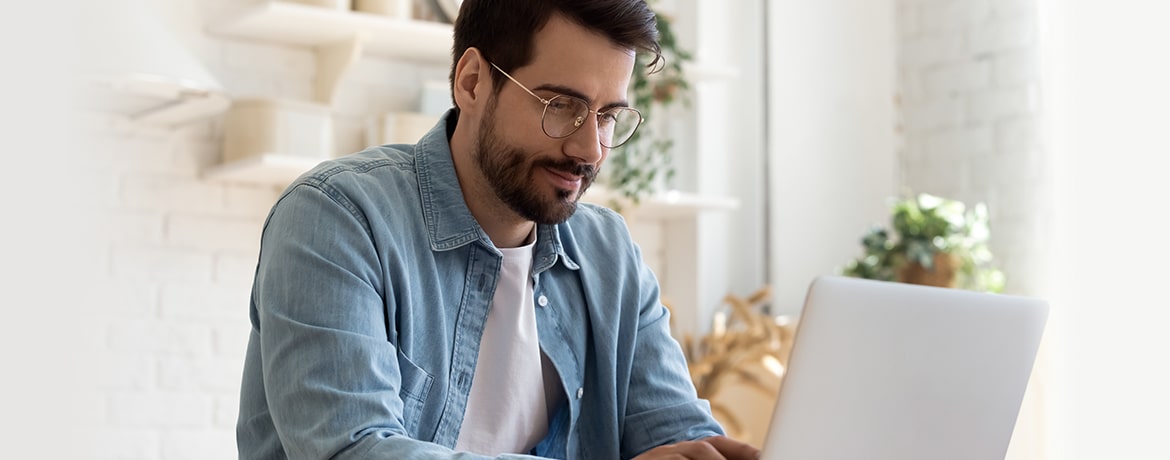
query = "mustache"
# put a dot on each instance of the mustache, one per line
(586, 171)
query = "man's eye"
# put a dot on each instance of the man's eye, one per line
(607, 117)
(559, 105)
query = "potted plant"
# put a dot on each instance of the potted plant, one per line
(645, 161)
(933, 241)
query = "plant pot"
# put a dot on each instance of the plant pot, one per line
(943, 274)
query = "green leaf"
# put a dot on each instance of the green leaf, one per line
(923, 226)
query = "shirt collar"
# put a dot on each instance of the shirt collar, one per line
(449, 222)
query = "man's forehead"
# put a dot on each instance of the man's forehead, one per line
(568, 55)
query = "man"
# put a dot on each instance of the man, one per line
(453, 297)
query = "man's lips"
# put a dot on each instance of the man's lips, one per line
(564, 179)
(568, 175)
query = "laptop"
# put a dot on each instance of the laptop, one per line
(884, 371)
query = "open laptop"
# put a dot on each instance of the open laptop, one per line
(884, 371)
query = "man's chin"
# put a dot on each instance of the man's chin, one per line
(581, 192)
(562, 207)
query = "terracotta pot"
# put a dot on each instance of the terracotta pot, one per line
(946, 267)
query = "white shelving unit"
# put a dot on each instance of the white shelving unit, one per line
(309, 26)
(668, 205)
(339, 39)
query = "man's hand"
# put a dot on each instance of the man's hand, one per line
(713, 448)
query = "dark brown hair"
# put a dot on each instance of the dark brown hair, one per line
(503, 30)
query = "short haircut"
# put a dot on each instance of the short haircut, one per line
(503, 30)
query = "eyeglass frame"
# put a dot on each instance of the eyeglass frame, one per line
(576, 126)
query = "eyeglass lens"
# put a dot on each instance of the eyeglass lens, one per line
(564, 115)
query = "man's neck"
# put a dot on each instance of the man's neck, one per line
(508, 236)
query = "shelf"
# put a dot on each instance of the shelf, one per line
(276, 169)
(268, 169)
(303, 25)
(667, 205)
(150, 101)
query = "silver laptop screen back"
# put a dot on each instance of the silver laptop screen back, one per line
(894, 371)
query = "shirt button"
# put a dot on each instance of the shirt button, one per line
(580, 392)
(542, 301)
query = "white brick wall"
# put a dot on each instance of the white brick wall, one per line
(970, 110)
(178, 254)
(829, 132)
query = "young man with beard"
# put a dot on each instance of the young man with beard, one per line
(453, 297)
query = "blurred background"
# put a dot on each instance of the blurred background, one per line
(147, 139)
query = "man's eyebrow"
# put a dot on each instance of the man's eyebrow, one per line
(577, 94)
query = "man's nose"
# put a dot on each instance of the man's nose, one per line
(585, 144)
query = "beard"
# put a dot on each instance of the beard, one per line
(509, 172)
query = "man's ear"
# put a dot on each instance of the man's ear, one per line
(472, 80)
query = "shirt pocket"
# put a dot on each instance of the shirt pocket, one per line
(416, 386)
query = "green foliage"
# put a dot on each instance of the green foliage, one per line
(633, 169)
(922, 227)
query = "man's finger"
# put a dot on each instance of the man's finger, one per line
(689, 450)
(732, 449)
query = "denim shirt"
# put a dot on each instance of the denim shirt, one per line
(370, 298)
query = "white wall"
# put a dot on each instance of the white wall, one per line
(176, 261)
(830, 131)
(1109, 70)
(720, 148)
(731, 145)
(44, 261)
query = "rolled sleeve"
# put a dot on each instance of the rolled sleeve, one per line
(662, 407)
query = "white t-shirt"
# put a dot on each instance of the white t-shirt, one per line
(507, 411)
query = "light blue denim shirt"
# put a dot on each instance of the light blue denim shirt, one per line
(371, 293)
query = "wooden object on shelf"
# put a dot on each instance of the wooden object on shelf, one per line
(738, 367)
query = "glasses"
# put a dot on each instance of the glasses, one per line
(564, 115)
